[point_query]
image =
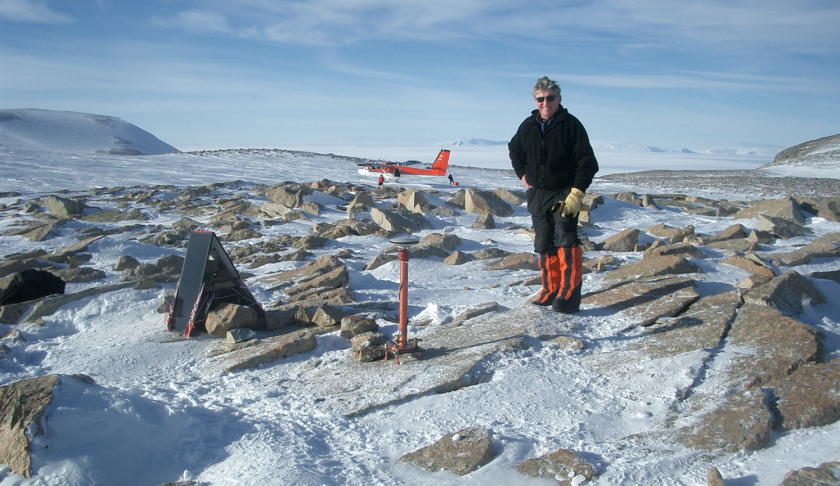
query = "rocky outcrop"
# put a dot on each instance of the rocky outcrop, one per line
(461, 452)
(399, 221)
(562, 465)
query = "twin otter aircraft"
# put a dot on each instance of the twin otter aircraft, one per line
(388, 169)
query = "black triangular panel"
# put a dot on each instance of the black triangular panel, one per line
(208, 281)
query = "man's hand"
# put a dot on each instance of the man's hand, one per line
(571, 206)
(525, 183)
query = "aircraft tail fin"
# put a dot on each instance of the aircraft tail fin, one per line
(441, 163)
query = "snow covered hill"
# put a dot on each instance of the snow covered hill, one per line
(71, 132)
(821, 156)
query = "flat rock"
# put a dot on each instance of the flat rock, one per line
(22, 403)
(749, 265)
(810, 396)
(818, 248)
(630, 294)
(461, 452)
(267, 351)
(624, 241)
(781, 228)
(517, 261)
(742, 422)
(826, 474)
(684, 250)
(779, 345)
(653, 267)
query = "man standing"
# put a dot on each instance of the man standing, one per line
(552, 156)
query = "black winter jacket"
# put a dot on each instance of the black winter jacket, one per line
(560, 159)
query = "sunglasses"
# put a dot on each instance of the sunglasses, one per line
(546, 98)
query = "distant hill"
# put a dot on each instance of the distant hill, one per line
(477, 141)
(816, 158)
(67, 131)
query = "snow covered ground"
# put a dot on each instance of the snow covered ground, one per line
(155, 416)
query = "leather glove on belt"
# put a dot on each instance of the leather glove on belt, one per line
(570, 206)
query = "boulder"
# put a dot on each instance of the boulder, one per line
(461, 452)
(517, 198)
(824, 207)
(824, 475)
(290, 196)
(734, 232)
(352, 326)
(368, 347)
(785, 293)
(484, 221)
(482, 202)
(458, 258)
(379, 260)
(787, 209)
(63, 208)
(781, 228)
(446, 242)
(749, 265)
(414, 201)
(621, 242)
(399, 221)
(489, 253)
(230, 316)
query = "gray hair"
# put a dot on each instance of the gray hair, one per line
(545, 84)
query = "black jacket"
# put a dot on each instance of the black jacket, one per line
(559, 159)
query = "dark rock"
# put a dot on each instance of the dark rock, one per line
(781, 228)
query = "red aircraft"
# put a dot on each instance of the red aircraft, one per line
(389, 170)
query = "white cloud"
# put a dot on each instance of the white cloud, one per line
(31, 11)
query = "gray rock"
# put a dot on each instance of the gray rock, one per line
(749, 265)
(126, 262)
(290, 196)
(113, 216)
(414, 201)
(379, 260)
(461, 452)
(327, 316)
(734, 232)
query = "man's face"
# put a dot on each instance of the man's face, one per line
(547, 108)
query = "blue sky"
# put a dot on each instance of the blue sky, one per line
(256, 73)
